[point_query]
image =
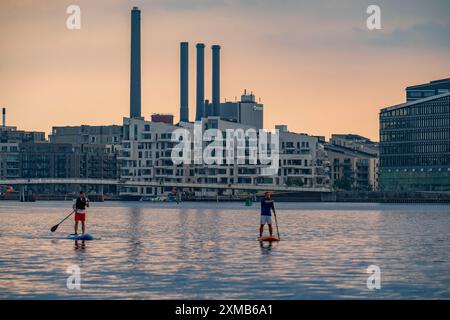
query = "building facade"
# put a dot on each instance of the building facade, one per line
(426, 90)
(9, 160)
(85, 134)
(351, 169)
(355, 142)
(146, 155)
(65, 161)
(10, 140)
(48, 160)
(415, 145)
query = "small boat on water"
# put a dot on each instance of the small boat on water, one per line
(161, 198)
(154, 199)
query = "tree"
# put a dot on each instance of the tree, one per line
(343, 184)
(294, 181)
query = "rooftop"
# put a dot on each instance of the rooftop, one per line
(410, 103)
(441, 81)
(345, 150)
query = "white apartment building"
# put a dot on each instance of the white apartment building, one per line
(146, 155)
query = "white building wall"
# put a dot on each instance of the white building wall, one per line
(145, 155)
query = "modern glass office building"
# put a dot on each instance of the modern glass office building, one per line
(415, 145)
(426, 90)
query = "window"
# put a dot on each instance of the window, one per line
(415, 94)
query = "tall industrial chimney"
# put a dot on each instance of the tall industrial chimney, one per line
(184, 81)
(200, 81)
(216, 80)
(4, 117)
(135, 72)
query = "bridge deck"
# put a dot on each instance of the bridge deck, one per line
(21, 182)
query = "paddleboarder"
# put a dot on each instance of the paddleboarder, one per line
(79, 206)
(266, 213)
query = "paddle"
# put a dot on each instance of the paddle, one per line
(53, 229)
(276, 222)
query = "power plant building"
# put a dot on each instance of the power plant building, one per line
(247, 111)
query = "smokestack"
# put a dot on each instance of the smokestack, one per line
(200, 81)
(216, 80)
(206, 109)
(184, 81)
(135, 72)
(4, 117)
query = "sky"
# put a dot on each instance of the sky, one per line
(313, 63)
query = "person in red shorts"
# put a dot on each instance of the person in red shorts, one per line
(79, 206)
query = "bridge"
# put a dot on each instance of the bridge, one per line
(128, 183)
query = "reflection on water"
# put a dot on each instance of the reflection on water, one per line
(266, 247)
(209, 250)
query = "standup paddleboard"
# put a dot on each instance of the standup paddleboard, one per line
(80, 237)
(268, 239)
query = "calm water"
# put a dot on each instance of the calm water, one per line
(208, 250)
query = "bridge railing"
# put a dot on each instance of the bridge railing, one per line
(128, 183)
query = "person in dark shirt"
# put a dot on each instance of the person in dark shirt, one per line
(266, 213)
(79, 206)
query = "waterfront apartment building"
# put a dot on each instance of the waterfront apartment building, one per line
(355, 142)
(66, 160)
(415, 145)
(352, 169)
(303, 160)
(97, 148)
(85, 134)
(10, 139)
(146, 156)
(48, 160)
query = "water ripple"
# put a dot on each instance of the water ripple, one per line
(208, 251)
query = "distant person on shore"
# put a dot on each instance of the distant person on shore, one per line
(79, 206)
(266, 213)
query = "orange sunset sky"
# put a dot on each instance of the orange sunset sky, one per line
(314, 64)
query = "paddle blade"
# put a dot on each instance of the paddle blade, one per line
(53, 229)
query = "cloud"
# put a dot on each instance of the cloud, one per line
(422, 35)
(191, 5)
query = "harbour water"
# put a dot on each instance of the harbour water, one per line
(209, 251)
